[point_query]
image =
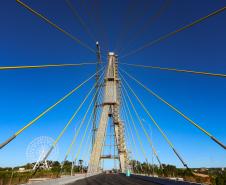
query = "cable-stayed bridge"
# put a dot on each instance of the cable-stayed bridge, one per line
(112, 108)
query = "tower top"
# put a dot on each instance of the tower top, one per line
(111, 53)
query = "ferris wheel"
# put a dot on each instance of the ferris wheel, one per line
(38, 148)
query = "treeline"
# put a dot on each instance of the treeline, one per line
(215, 176)
(166, 171)
(55, 166)
(218, 176)
(13, 176)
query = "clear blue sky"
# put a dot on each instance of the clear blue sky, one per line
(27, 40)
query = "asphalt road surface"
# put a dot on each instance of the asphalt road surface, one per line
(112, 179)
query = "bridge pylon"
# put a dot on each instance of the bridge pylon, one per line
(110, 108)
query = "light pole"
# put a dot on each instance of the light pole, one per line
(151, 136)
(72, 167)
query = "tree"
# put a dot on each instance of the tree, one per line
(220, 179)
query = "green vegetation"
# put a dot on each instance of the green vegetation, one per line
(219, 176)
(167, 171)
(13, 176)
(214, 176)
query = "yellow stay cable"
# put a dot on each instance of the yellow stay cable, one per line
(81, 21)
(66, 126)
(55, 26)
(47, 110)
(44, 66)
(177, 70)
(88, 143)
(153, 120)
(151, 43)
(136, 132)
(76, 112)
(143, 128)
(82, 122)
(77, 132)
(62, 165)
(176, 110)
(130, 143)
(150, 20)
(83, 137)
(129, 129)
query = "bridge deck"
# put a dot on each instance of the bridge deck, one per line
(112, 179)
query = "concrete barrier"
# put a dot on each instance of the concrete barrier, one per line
(164, 181)
(61, 181)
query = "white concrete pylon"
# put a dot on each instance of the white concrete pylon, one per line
(111, 107)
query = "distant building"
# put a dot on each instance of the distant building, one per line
(21, 169)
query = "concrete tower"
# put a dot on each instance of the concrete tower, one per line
(111, 107)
